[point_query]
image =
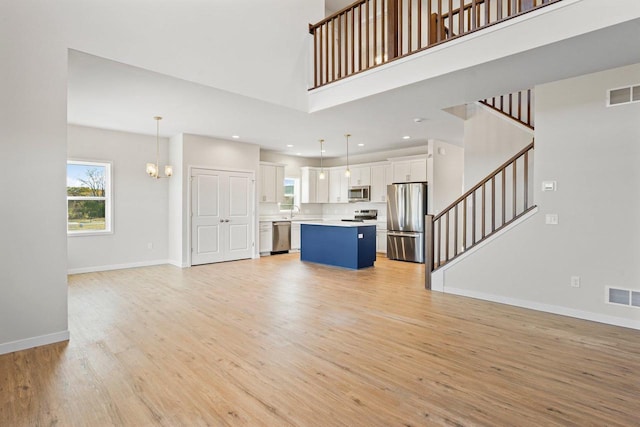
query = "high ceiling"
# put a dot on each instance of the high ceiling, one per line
(111, 95)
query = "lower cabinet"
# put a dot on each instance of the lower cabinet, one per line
(266, 237)
(381, 241)
(295, 236)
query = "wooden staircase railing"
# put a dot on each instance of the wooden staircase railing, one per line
(495, 202)
(369, 33)
(517, 106)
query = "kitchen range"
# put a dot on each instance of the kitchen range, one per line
(363, 215)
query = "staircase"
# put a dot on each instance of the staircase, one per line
(498, 200)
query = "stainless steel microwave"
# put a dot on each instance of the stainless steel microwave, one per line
(360, 193)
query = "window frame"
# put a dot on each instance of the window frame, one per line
(108, 198)
(296, 194)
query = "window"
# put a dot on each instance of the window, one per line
(88, 197)
(291, 192)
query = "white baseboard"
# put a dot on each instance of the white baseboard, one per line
(178, 264)
(118, 266)
(12, 346)
(547, 308)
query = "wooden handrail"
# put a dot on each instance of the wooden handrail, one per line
(480, 219)
(485, 180)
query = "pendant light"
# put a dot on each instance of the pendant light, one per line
(321, 174)
(347, 173)
(153, 169)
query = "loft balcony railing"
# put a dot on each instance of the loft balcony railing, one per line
(369, 33)
(517, 106)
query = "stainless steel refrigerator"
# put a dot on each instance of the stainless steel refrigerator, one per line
(406, 208)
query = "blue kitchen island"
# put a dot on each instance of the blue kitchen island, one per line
(342, 244)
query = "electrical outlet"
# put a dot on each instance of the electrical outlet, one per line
(575, 281)
(551, 219)
(149, 245)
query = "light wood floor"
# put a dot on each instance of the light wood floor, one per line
(279, 342)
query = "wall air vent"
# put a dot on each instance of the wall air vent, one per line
(623, 95)
(623, 297)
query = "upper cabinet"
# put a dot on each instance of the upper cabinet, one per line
(360, 175)
(381, 176)
(409, 169)
(338, 185)
(312, 188)
(271, 183)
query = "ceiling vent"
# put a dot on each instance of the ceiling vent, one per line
(623, 297)
(623, 95)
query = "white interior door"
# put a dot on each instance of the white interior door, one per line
(207, 220)
(222, 216)
(239, 218)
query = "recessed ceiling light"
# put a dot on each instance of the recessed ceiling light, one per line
(406, 137)
(235, 136)
(361, 145)
(289, 145)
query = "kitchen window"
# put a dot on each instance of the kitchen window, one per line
(291, 193)
(88, 198)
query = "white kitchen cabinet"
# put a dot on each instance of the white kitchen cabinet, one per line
(338, 185)
(308, 185)
(380, 178)
(266, 237)
(381, 241)
(271, 183)
(410, 170)
(322, 192)
(360, 175)
(312, 188)
(381, 237)
(295, 236)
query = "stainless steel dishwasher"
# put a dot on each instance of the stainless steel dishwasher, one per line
(281, 237)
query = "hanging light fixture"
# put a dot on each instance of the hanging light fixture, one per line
(347, 173)
(153, 169)
(321, 174)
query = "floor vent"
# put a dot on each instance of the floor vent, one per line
(623, 297)
(623, 95)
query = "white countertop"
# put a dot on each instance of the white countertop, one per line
(339, 223)
(294, 219)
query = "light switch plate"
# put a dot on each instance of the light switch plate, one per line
(549, 185)
(551, 219)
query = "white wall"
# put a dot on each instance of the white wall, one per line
(356, 158)
(490, 139)
(139, 202)
(176, 201)
(204, 152)
(592, 152)
(33, 141)
(265, 43)
(292, 163)
(448, 170)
